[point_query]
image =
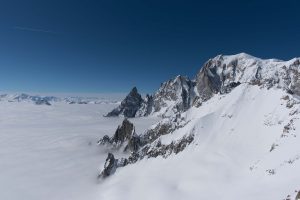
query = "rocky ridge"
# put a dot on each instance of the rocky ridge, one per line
(142, 146)
(218, 75)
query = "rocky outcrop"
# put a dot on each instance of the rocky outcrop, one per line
(222, 73)
(298, 196)
(175, 95)
(42, 102)
(111, 164)
(147, 107)
(125, 137)
(123, 132)
(218, 75)
(165, 150)
(151, 150)
(129, 106)
(142, 146)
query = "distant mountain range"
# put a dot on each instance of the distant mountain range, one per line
(48, 100)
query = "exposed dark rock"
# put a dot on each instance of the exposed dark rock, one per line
(273, 147)
(104, 140)
(123, 132)
(124, 136)
(174, 95)
(179, 90)
(146, 145)
(133, 144)
(286, 97)
(129, 106)
(291, 102)
(298, 196)
(147, 107)
(159, 130)
(82, 102)
(148, 151)
(166, 150)
(109, 166)
(289, 91)
(42, 102)
(217, 77)
(287, 128)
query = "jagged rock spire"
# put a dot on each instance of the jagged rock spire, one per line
(125, 137)
(129, 106)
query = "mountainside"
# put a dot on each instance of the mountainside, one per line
(218, 75)
(235, 126)
(233, 142)
(173, 96)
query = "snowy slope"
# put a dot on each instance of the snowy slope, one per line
(230, 157)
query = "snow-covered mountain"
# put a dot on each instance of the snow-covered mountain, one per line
(48, 100)
(235, 128)
(218, 75)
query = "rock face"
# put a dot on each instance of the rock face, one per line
(222, 73)
(129, 106)
(124, 136)
(109, 166)
(123, 132)
(142, 146)
(146, 107)
(298, 196)
(175, 95)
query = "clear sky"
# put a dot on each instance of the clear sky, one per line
(112, 45)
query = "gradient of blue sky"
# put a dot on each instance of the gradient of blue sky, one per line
(112, 45)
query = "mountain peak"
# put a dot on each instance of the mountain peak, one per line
(134, 90)
(129, 106)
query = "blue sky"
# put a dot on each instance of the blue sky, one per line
(113, 45)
